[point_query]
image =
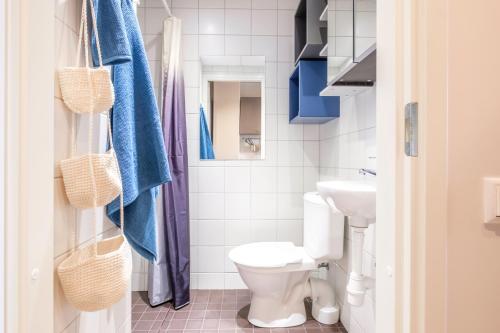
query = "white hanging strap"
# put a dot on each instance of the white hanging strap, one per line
(82, 37)
(167, 8)
(84, 34)
(122, 213)
(96, 32)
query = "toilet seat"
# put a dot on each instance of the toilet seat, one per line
(282, 256)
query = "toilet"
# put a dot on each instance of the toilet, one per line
(278, 273)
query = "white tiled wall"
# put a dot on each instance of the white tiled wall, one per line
(346, 145)
(71, 225)
(235, 202)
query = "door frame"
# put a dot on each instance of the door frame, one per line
(411, 199)
(29, 169)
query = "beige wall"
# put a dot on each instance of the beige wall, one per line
(226, 120)
(250, 115)
(474, 152)
(71, 224)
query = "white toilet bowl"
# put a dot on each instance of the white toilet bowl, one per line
(278, 273)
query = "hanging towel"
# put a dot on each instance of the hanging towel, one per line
(168, 277)
(206, 148)
(137, 134)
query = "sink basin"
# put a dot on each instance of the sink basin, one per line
(354, 199)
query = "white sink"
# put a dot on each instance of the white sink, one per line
(354, 199)
(357, 201)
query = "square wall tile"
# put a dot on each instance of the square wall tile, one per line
(283, 74)
(264, 22)
(271, 74)
(265, 46)
(311, 177)
(211, 206)
(271, 102)
(211, 21)
(247, 4)
(290, 180)
(264, 230)
(271, 127)
(211, 45)
(211, 259)
(237, 179)
(210, 280)
(290, 231)
(285, 49)
(311, 153)
(288, 4)
(237, 206)
(210, 179)
(287, 131)
(263, 179)
(238, 22)
(237, 232)
(189, 19)
(290, 153)
(290, 206)
(283, 99)
(238, 45)
(264, 4)
(189, 47)
(263, 206)
(191, 74)
(154, 20)
(211, 232)
(211, 3)
(311, 132)
(286, 21)
(193, 231)
(184, 3)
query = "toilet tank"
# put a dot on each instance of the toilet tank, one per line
(323, 229)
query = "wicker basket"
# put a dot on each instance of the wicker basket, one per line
(78, 182)
(97, 276)
(86, 89)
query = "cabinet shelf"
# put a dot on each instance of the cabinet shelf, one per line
(310, 32)
(324, 14)
(306, 105)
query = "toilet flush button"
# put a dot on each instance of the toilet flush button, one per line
(491, 200)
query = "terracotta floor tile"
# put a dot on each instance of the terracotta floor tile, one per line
(211, 311)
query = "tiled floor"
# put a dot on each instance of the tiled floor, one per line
(215, 311)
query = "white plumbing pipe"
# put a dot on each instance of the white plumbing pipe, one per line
(358, 284)
(324, 305)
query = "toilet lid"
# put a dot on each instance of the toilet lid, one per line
(267, 254)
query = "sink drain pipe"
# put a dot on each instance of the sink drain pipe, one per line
(358, 283)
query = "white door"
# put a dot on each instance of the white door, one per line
(411, 198)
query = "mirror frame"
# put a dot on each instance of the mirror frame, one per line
(240, 77)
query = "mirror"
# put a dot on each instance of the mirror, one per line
(340, 36)
(351, 33)
(233, 109)
(365, 26)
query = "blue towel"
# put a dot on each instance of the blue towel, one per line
(206, 147)
(137, 133)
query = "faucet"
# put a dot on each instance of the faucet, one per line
(365, 172)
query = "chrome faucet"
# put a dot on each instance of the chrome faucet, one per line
(365, 172)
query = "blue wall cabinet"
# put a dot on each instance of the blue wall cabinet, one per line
(306, 105)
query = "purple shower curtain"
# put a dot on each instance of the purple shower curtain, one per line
(169, 274)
